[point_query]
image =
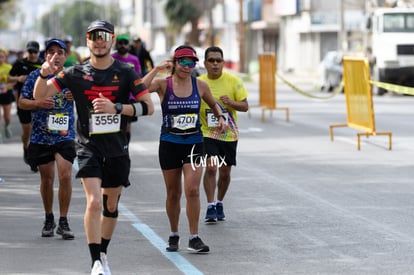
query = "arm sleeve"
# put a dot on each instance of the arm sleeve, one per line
(137, 86)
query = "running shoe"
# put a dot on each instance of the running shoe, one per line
(48, 228)
(7, 131)
(220, 212)
(197, 245)
(211, 214)
(105, 264)
(64, 230)
(25, 156)
(173, 242)
(97, 268)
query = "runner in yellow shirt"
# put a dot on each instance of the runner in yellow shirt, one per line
(221, 148)
(6, 93)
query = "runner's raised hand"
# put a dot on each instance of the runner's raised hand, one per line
(49, 67)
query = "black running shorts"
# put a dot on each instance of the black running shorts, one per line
(25, 116)
(221, 149)
(113, 172)
(7, 98)
(39, 154)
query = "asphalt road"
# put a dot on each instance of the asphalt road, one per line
(298, 203)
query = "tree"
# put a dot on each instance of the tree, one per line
(7, 7)
(181, 12)
(74, 19)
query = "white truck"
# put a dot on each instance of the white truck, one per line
(392, 43)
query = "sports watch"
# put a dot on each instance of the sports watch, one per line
(118, 107)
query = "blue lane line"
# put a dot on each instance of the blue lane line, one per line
(179, 261)
(75, 164)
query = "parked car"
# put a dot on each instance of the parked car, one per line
(331, 71)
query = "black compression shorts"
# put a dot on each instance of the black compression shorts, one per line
(174, 155)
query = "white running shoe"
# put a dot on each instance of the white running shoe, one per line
(105, 264)
(97, 268)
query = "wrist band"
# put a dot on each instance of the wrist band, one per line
(42, 76)
(140, 108)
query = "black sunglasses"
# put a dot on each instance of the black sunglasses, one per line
(32, 51)
(212, 60)
(123, 42)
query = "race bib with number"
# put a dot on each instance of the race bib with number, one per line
(58, 122)
(184, 121)
(105, 123)
(212, 120)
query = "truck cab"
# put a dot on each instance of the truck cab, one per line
(392, 39)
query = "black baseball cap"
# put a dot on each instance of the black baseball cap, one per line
(101, 25)
(55, 41)
(32, 45)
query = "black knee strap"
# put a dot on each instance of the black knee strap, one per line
(105, 211)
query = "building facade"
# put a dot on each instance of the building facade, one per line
(300, 32)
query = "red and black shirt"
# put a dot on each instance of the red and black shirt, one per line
(116, 83)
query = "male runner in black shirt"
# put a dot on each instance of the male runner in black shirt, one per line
(21, 68)
(101, 89)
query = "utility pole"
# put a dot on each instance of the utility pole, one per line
(242, 46)
(342, 45)
(210, 6)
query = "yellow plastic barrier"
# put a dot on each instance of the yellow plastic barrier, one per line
(267, 85)
(359, 103)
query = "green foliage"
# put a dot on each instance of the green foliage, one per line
(73, 19)
(180, 12)
(7, 8)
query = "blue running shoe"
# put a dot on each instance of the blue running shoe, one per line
(220, 212)
(211, 215)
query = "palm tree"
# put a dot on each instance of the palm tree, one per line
(180, 12)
